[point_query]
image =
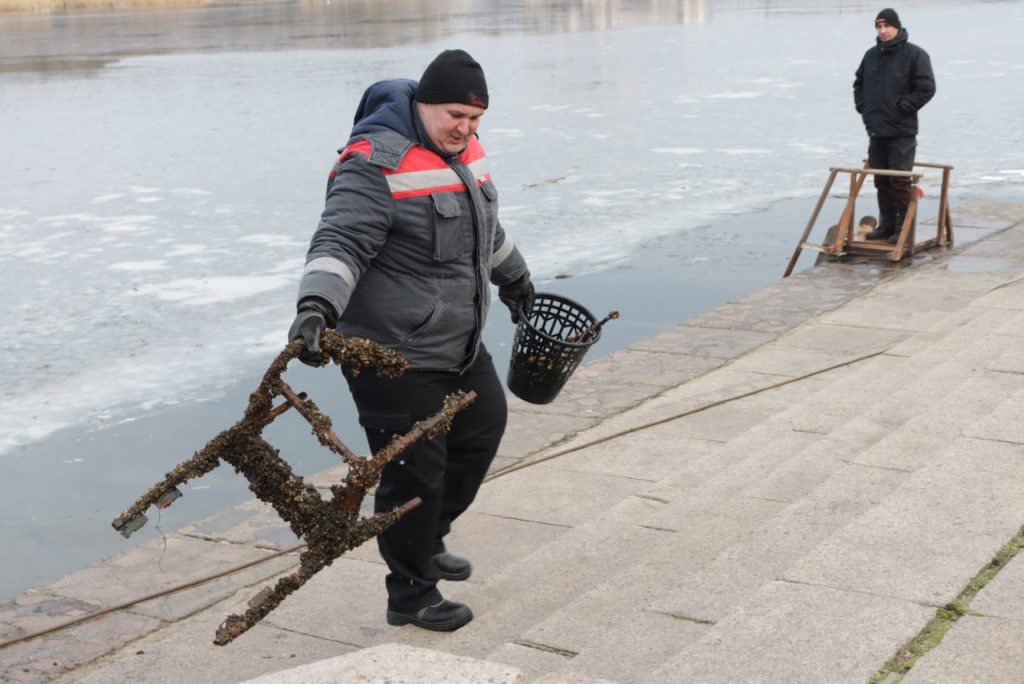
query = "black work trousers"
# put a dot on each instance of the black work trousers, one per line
(445, 472)
(894, 194)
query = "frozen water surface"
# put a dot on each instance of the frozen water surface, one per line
(163, 170)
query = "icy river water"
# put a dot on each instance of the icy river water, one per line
(162, 171)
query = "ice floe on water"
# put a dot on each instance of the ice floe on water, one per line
(678, 150)
(741, 95)
(273, 240)
(157, 265)
(214, 290)
(743, 150)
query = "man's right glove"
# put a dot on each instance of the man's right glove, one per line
(517, 294)
(313, 316)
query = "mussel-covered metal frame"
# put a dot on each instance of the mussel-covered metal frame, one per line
(328, 527)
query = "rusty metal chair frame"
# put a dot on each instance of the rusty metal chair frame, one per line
(844, 242)
(328, 527)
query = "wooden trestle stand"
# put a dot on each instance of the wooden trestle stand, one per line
(845, 242)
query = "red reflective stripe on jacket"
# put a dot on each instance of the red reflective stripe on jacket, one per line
(419, 160)
(457, 187)
(364, 147)
(474, 151)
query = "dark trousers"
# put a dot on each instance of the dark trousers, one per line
(445, 472)
(894, 194)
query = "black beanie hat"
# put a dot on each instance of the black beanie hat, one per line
(890, 17)
(453, 76)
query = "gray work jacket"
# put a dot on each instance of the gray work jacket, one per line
(407, 246)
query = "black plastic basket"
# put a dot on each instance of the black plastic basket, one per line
(547, 347)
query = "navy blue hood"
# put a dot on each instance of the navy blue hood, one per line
(387, 106)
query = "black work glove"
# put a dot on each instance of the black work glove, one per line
(516, 295)
(313, 316)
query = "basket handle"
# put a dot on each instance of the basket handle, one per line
(591, 332)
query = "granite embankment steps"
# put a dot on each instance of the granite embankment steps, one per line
(804, 533)
(583, 602)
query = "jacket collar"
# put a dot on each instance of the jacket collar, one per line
(896, 43)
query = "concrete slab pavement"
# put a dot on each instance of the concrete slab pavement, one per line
(976, 650)
(391, 663)
(904, 547)
(789, 623)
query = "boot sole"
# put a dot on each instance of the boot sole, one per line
(398, 619)
(455, 576)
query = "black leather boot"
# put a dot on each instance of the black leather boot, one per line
(443, 616)
(879, 233)
(895, 237)
(451, 567)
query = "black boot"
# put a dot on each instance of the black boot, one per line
(895, 237)
(451, 567)
(880, 233)
(443, 616)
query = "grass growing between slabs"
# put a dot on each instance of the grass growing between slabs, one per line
(932, 633)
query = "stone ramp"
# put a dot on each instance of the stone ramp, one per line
(670, 549)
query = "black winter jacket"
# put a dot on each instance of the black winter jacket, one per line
(894, 80)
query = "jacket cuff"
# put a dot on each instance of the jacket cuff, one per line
(511, 269)
(322, 306)
(329, 289)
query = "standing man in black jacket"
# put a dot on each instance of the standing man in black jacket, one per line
(894, 80)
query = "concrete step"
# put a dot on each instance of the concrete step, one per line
(850, 487)
(396, 664)
(535, 585)
(531, 589)
(502, 612)
(612, 603)
(639, 616)
(874, 583)
(855, 487)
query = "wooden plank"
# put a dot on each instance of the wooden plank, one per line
(810, 224)
(904, 246)
(872, 245)
(944, 232)
(949, 226)
(845, 219)
(846, 230)
(878, 172)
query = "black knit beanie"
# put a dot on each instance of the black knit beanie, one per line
(890, 17)
(453, 76)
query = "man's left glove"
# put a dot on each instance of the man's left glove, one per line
(516, 295)
(313, 316)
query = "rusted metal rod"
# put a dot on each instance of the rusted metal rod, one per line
(312, 415)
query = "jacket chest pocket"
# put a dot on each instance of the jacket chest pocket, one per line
(490, 194)
(447, 218)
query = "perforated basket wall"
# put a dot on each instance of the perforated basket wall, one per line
(545, 350)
